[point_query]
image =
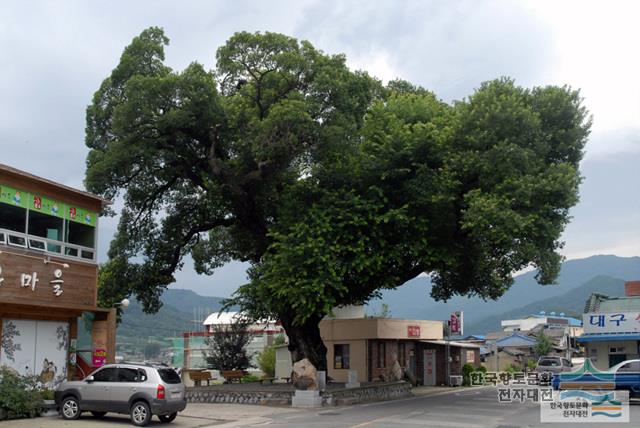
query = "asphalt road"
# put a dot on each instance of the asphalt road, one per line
(464, 409)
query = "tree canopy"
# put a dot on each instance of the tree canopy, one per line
(332, 185)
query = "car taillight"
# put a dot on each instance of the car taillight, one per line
(160, 394)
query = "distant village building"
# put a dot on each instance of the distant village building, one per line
(190, 351)
(515, 344)
(50, 324)
(612, 327)
(572, 326)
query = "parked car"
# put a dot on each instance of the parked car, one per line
(625, 375)
(553, 365)
(140, 390)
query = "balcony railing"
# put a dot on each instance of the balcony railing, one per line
(46, 246)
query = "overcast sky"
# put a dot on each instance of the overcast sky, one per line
(54, 55)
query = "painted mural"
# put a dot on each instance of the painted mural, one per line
(36, 348)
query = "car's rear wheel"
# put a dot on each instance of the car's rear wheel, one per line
(140, 414)
(70, 408)
(98, 414)
(168, 418)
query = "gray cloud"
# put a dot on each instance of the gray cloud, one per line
(53, 56)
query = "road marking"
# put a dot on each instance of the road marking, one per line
(364, 424)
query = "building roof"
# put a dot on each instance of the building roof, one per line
(516, 340)
(453, 343)
(218, 318)
(573, 322)
(493, 335)
(607, 337)
(475, 337)
(34, 178)
(602, 303)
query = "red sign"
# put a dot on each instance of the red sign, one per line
(99, 357)
(455, 323)
(413, 331)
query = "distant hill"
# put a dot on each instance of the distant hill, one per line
(182, 310)
(412, 300)
(571, 303)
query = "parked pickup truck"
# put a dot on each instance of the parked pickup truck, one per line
(625, 375)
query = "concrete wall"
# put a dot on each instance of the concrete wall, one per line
(378, 328)
(357, 359)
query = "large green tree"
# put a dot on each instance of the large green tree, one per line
(330, 184)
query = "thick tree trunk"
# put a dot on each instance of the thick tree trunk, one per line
(305, 341)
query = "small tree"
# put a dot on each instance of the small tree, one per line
(543, 345)
(227, 346)
(267, 358)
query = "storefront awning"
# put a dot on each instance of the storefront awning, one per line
(452, 343)
(608, 337)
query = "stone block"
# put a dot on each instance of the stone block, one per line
(308, 398)
(352, 381)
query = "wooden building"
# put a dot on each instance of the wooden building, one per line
(50, 323)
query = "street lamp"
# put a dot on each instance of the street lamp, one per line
(124, 303)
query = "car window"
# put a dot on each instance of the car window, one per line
(105, 375)
(142, 375)
(128, 375)
(169, 376)
(549, 362)
(566, 362)
(633, 366)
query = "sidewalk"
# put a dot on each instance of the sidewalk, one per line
(235, 414)
(420, 391)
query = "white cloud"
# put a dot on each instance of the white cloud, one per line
(53, 56)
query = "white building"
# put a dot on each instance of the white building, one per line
(573, 326)
(263, 332)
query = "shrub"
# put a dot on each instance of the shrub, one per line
(250, 378)
(267, 361)
(267, 358)
(19, 395)
(531, 365)
(512, 368)
(47, 394)
(467, 369)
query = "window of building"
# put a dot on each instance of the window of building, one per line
(80, 234)
(402, 354)
(46, 226)
(340, 356)
(382, 352)
(13, 218)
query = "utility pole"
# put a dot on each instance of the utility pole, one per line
(448, 336)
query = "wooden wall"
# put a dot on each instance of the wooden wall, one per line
(79, 287)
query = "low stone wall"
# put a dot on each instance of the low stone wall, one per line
(372, 392)
(282, 397)
(264, 397)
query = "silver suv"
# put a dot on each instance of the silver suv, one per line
(554, 365)
(141, 390)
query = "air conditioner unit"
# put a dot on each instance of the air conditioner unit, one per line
(455, 380)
